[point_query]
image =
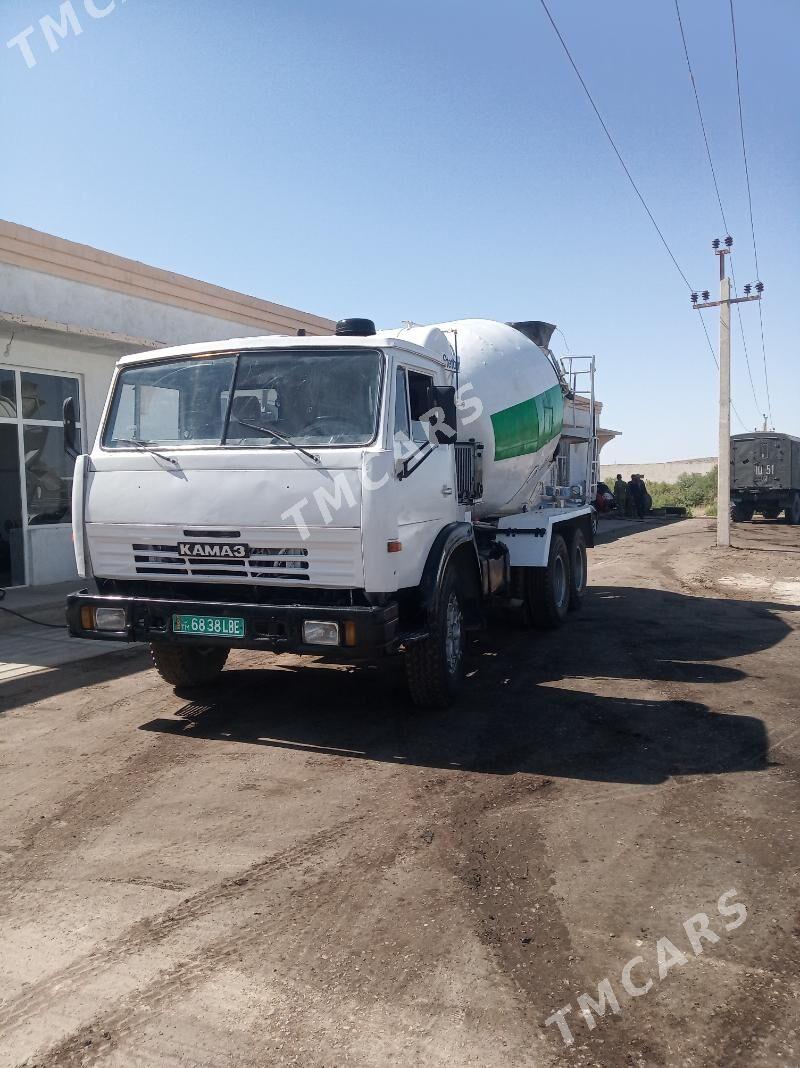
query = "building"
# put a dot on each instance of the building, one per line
(67, 313)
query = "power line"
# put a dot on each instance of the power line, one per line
(630, 179)
(613, 145)
(719, 201)
(750, 202)
(700, 115)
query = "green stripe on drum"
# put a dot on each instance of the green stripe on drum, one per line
(528, 426)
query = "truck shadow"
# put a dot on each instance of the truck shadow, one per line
(533, 704)
(613, 528)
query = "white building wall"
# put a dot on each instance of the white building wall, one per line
(61, 300)
(669, 471)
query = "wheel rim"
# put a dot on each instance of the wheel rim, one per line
(452, 634)
(559, 581)
(577, 569)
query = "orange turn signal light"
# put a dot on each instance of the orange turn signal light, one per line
(394, 546)
(87, 618)
(349, 633)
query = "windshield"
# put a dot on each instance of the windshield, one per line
(307, 397)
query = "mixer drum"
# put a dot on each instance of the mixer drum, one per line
(513, 403)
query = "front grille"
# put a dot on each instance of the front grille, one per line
(263, 563)
(277, 557)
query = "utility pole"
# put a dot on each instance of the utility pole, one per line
(722, 249)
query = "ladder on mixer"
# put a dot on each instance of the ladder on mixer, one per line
(580, 419)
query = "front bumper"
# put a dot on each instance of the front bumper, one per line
(277, 628)
(759, 496)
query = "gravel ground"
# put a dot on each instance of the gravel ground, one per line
(297, 869)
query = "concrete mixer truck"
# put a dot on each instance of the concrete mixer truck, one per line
(352, 496)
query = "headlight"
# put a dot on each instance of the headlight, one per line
(109, 619)
(315, 633)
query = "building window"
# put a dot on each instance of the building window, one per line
(35, 470)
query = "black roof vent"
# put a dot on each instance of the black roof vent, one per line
(355, 328)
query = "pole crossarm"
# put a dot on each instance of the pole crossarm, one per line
(733, 300)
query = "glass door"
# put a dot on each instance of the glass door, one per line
(35, 469)
(12, 538)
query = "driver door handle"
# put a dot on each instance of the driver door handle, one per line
(447, 491)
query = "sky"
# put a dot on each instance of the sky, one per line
(433, 160)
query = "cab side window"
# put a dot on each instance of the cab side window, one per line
(420, 397)
(402, 426)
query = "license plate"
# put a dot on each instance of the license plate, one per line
(209, 626)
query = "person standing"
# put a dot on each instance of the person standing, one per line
(647, 500)
(620, 494)
(636, 492)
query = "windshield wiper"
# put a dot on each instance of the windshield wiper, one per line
(280, 437)
(147, 446)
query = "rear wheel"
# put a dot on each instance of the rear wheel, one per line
(549, 588)
(435, 666)
(793, 511)
(183, 665)
(578, 570)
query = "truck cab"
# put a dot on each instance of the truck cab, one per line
(279, 493)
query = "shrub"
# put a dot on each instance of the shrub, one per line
(690, 491)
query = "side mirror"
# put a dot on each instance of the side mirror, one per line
(70, 434)
(445, 430)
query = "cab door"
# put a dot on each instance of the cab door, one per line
(425, 491)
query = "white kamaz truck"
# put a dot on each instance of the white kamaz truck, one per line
(353, 496)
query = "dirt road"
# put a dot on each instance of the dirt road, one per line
(302, 871)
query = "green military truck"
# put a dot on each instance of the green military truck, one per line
(765, 476)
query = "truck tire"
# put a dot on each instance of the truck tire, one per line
(742, 513)
(435, 666)
(793, 511)
(578, 570)
(183, 665)
(549, 588)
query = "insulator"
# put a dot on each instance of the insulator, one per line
(759, 287)
(706, 294)
(747, 289)
(715, 243)
(728, 241)
(694, 298)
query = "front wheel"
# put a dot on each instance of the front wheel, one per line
(742, 513)
(435, 666)
(184, 665)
